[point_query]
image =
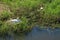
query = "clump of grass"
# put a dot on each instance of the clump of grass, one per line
(51, 13)
(20, 27)
(4, 12)
(5, 15)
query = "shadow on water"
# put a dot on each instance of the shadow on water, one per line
(36, 34)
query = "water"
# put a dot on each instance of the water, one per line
(36, 34)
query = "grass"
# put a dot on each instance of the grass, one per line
(30, 13)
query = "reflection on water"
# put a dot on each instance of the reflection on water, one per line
(36, 34)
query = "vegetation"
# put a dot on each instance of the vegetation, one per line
(30, 12)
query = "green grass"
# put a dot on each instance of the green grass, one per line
(30, 13)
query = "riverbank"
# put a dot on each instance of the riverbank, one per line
(35, 34)
(30, 12)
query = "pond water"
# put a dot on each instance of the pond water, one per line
(36, 34)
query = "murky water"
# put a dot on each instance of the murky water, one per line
(36, 34)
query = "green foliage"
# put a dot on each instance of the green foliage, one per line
(52, 12)
(1, 23)
(5, 15)
(10, 27)
(30, 13)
